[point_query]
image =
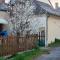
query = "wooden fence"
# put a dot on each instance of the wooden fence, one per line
(13, 44)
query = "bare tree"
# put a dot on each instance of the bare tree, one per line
(22, 11)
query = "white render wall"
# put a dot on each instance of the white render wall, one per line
(53, 28)
(37, 21)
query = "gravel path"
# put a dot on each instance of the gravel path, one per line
(54, 55)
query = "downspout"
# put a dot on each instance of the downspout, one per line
(46, 31)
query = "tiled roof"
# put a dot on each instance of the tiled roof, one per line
(58, 9)
(40, 8)
(3, 7)
(45, 8)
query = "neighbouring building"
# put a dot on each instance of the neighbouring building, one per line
(2, 1)
(4, 10)
(4, 16)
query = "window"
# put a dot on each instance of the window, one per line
(42, 35)
(42, 38)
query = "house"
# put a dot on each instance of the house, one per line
(4, 15)
(45, 22)
(3, 10)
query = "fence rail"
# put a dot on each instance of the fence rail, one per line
(13, 44)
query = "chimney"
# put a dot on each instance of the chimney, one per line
(56, 5)
(2, 1)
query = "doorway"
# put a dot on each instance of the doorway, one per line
(42, 37)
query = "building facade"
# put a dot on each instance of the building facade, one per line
(46, 22)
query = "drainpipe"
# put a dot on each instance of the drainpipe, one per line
(46, 31)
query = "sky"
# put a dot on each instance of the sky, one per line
(52, 1)
(46, 1)
(7, 1)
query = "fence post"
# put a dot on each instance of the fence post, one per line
(17, 38)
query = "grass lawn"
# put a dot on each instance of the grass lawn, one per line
(1, 58)
(29, 55)
(55, 44)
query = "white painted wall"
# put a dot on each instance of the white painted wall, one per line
(37, 22)
(53, 28)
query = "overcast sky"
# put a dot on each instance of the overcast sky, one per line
(44, 1)
(7, 1)
(52, 1)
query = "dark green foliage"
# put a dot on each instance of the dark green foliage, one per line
(11, 56)
(55, 44)
(28, 55)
